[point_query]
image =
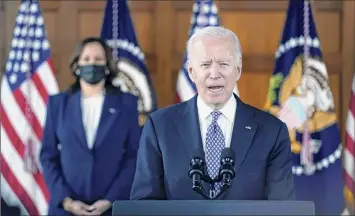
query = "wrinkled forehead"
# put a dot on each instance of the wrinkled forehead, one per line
(219, 49)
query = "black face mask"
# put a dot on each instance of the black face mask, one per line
(92, 74)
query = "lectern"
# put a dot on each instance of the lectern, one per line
(211, 207)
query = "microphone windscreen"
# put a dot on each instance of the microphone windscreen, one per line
(228, 153)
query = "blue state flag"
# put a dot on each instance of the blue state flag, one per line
(300, 95)
(134, 76)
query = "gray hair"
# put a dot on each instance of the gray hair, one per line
(215, 32)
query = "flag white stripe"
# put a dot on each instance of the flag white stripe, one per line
(47, 78)
(38, 107)
(26, 179)
(349, 163)
(184, 89)
(17, 119)
(10, 197)
(350, 127)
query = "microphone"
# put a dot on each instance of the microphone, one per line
(226, 172)
(196, 172)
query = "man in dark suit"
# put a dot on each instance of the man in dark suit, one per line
(214, 119)
(7, 210)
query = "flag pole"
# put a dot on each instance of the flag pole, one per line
(29, 157)
(306, 153)
(115, 27)
(2, 42)
(30, 162)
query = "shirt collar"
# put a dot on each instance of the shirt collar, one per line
(228, 110)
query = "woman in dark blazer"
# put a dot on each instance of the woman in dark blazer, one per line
(91, 137)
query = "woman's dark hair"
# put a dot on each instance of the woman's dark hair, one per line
(111, 63)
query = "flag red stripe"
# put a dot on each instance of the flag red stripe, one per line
(40, 87)
(50, 63)
(352, 104)
(178, 99)
(20, 148)
(350, 147)
(349, 144)
(349, 182)
(18, 189)
(16, 143)
(42, 184)
(21, 101)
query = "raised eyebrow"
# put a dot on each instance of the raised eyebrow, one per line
(84, 58)
(224, 61)
(99, 58)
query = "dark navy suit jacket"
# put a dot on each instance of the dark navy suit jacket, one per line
(71, 169)
(260, 141)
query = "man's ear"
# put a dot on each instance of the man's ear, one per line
(239, 71)
(190, 71)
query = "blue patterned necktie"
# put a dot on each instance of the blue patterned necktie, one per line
(215, 143)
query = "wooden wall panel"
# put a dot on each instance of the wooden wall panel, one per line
(265, 5)
(90, 22)
(50, 18)
(144, 25)
(348, 57)
(329, 31)
(258, 32)
(91, 5)
(164, 38)
(65, 40)
(91, 18)
(253, 88)
(2, 37)
(335, 88)
(259, 38)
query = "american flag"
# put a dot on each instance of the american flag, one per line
(349, 152)
(204, 13)
(28, 81)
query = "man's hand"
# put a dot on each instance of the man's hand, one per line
(77, 207)
(100, 207)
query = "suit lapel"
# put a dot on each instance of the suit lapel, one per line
(243, 132)
(76, 120)
(109, 115)
(188, 127)
(244, 129)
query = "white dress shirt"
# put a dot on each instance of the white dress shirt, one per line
(225, 121)
(91, 111)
